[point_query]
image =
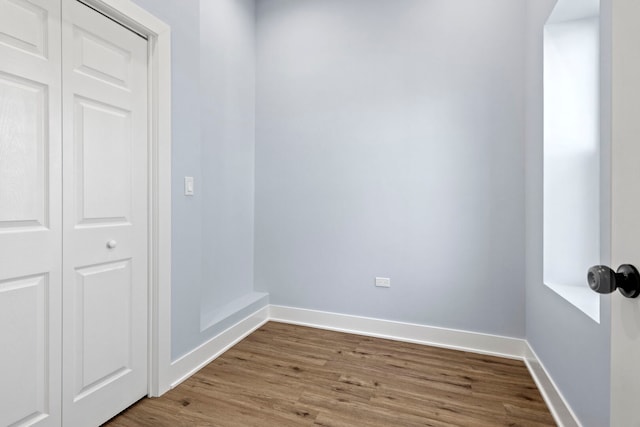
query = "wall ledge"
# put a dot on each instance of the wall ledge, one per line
(198, 358)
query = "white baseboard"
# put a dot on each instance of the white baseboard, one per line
(439, 337)
(493, 345)
(192, 362)
(560, 409)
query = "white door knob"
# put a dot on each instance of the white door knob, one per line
(112, 244)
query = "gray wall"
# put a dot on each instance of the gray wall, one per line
(390, 143)
(213, 124)
(573, 348)
(186, 245)
(228, 106)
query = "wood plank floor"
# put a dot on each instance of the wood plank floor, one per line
(284, 375)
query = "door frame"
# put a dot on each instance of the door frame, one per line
(624, 60)
(158, 35)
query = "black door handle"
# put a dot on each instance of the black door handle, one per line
(604, 280)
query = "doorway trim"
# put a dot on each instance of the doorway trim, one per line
(158, 35)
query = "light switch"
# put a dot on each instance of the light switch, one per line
(188, 186)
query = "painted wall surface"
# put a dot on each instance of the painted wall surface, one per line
(213, 124)
(186, 236)
(573, 348)
(228, 107)
(390, 143)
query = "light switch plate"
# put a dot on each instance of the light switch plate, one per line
(188, 186)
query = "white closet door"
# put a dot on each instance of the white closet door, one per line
(30, 208)
(104, 216)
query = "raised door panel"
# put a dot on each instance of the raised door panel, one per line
(103, 298)
(24, 324)
(103, 145)
(24, 26)
(101, 59)
(23, 153)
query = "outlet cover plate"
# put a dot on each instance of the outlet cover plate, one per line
(383, 282)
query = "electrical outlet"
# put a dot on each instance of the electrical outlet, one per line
(383, 282)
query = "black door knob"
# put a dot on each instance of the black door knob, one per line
(604, 280)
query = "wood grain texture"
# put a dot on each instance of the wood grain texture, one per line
(285, 375)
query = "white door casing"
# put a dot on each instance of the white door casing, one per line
(30, 212)
(625, 209)
(104, 270)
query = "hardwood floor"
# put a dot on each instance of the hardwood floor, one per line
(284, 375)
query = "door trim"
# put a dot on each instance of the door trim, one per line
(158, 35)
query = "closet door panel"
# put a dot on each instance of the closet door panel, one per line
(105, 216)
(30, 213)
